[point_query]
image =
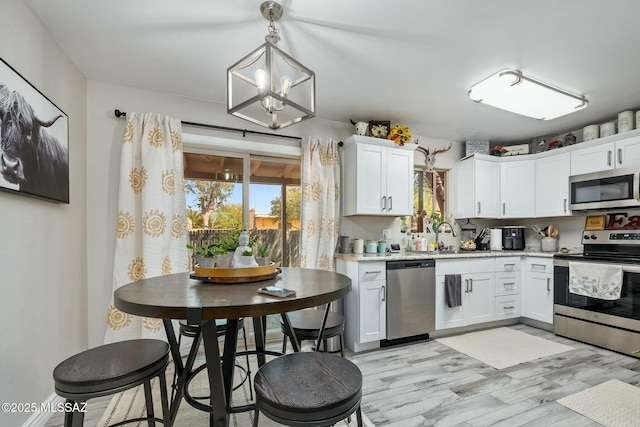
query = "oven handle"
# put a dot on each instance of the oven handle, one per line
(626, 268)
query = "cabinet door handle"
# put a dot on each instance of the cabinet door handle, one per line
(384, 293)
(373, 272)
(548, 284)
(609, 158)
(466, 286)
(478, 208)
(390, 202)
(471, 283)
(384, 202)
(565, 204)
(509, 307)
(619, 156)
(503, 208)
(509, 284)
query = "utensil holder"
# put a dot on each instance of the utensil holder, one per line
(549, 244)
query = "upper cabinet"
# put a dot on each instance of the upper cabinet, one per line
(377, 177)
(621, 153)
(517, 188)
(477, 187)
(552, 185)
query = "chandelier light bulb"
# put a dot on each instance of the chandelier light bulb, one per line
(285, 85)
(261, 80)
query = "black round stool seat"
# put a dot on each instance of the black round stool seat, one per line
(112, 368)
(308, 388)
(306, 326)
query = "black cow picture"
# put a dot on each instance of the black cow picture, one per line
(33, 160)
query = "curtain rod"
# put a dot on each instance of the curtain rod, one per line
(244, 132)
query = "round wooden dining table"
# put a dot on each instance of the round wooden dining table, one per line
(180, 297)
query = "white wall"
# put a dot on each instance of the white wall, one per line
(42, 244)
(103, 162)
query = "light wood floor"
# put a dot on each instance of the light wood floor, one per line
(429, 384)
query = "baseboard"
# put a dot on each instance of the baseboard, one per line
(39, 419)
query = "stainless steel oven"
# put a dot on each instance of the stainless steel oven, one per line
(613, 324)
(612, 189)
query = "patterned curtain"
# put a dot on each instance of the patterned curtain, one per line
(320, 203)
(151, 233)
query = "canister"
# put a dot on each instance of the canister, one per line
(626, 121)
(345, 245)
(590, 132)
(382, 247)
(495, 242)
(358, 246)
(607, 129)
(371, 247)
(549, 244)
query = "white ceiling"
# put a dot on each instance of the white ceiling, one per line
(407, 61)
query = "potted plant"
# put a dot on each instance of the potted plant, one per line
(263, 255)
(205, 255)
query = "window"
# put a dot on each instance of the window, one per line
(215, 193)
(429, 189)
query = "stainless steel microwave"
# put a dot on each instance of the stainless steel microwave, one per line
(611, 189)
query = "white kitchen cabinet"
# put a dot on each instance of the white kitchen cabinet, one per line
(517, 188)
(621, 153)
(477, 187)
(508, 284)
(593, 159)
(538, 289)
(628, 152)
(552, 185)
(477, 293)
(365, 308)
(377, 177)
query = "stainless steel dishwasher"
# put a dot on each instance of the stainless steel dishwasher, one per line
(411, 299)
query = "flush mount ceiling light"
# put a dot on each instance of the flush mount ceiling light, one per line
(268, 87)
(512, 91)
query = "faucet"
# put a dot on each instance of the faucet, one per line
(453, 233)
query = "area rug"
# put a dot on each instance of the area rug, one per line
(131, 404)
(612, 404)
(503, 347)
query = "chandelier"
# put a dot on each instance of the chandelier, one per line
(269, 87)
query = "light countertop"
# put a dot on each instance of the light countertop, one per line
(447, 255)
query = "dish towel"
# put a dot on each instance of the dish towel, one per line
(595, 280)
(453, 289)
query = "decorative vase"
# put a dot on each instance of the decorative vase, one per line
(263, 260)
(205, 262)
(224, 261)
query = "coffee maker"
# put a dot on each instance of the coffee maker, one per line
(513, 238)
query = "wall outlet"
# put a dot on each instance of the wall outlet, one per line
(386, 233)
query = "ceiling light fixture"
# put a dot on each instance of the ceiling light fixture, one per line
(268, 87)
(512, 91)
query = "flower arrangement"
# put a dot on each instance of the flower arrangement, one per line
(497, 150)
(400, 135)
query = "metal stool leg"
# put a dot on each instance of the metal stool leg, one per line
(246, 348)
(148, 398)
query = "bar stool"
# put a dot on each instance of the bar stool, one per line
(305, 324)
(308, 389)
(111, 369)
(195, 332)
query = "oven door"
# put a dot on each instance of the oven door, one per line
(618, 188)
(627, 306)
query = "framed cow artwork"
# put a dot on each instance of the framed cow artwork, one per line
(34, 140)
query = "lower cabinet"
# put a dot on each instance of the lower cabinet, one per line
(538, 289)
(477, 293)
(365, 307)
(508, 281)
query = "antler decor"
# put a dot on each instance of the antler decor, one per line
(430, 158)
